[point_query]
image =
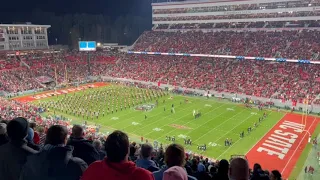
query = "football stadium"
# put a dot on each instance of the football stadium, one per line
(214, 90)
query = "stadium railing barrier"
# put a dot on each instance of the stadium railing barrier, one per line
(302, 61)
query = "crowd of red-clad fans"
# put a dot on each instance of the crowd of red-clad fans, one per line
(62, 68)
(288, 81)
(285, 81)
(288, 44)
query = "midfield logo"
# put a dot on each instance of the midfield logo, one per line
(145, 107)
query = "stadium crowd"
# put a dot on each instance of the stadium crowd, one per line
(284, 81)
(258, 24)
(289, 44)
(304, 3)
(239, 16)
(58, 151)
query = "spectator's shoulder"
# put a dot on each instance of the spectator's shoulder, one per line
(78, 164)
(141, 173)
(94, 170)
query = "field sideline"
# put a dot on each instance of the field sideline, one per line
(219, 120)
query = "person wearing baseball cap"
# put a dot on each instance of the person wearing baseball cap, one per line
(15, 152)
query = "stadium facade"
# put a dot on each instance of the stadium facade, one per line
(235, 13)
(23, 37)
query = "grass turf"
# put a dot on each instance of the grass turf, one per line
(219, 120)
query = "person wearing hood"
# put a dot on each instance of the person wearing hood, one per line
(3, 134)
(55, 161)
(116, 165)
(83, 148)
(145, 161)
(14, 153)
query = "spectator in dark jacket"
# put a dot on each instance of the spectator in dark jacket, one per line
(275, 175)
(13, 155)
(132, 152)
(223, 169)
(145, 161)
(83, 148)
(3, 134)
(258, 173)
(98, 146)
(55, 161)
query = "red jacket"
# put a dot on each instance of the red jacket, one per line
(36, 137)
(104, 170)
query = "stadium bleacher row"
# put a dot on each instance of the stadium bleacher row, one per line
(240, 7)
(239, 16)
(259, 24)
(293, 44)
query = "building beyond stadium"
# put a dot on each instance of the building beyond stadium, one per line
(23, 37)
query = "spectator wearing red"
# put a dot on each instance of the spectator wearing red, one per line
(116, 166)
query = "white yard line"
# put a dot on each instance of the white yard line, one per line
(168, 116)
(239, 141)
(184, 123)
(265, 134)
(294, 152)
(222, 124)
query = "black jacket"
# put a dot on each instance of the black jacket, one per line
(84, 149)
(13, 155)
(3, 139)
(56, 163)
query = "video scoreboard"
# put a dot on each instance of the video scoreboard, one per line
(87, 46)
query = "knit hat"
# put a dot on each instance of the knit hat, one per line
(3, 128)
(17, 128)
(175, 173)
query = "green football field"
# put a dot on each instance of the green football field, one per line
(220, 120)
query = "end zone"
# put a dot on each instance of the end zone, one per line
(47, 94)
(281, 147)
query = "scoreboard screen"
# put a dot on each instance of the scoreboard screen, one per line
(87, 46)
